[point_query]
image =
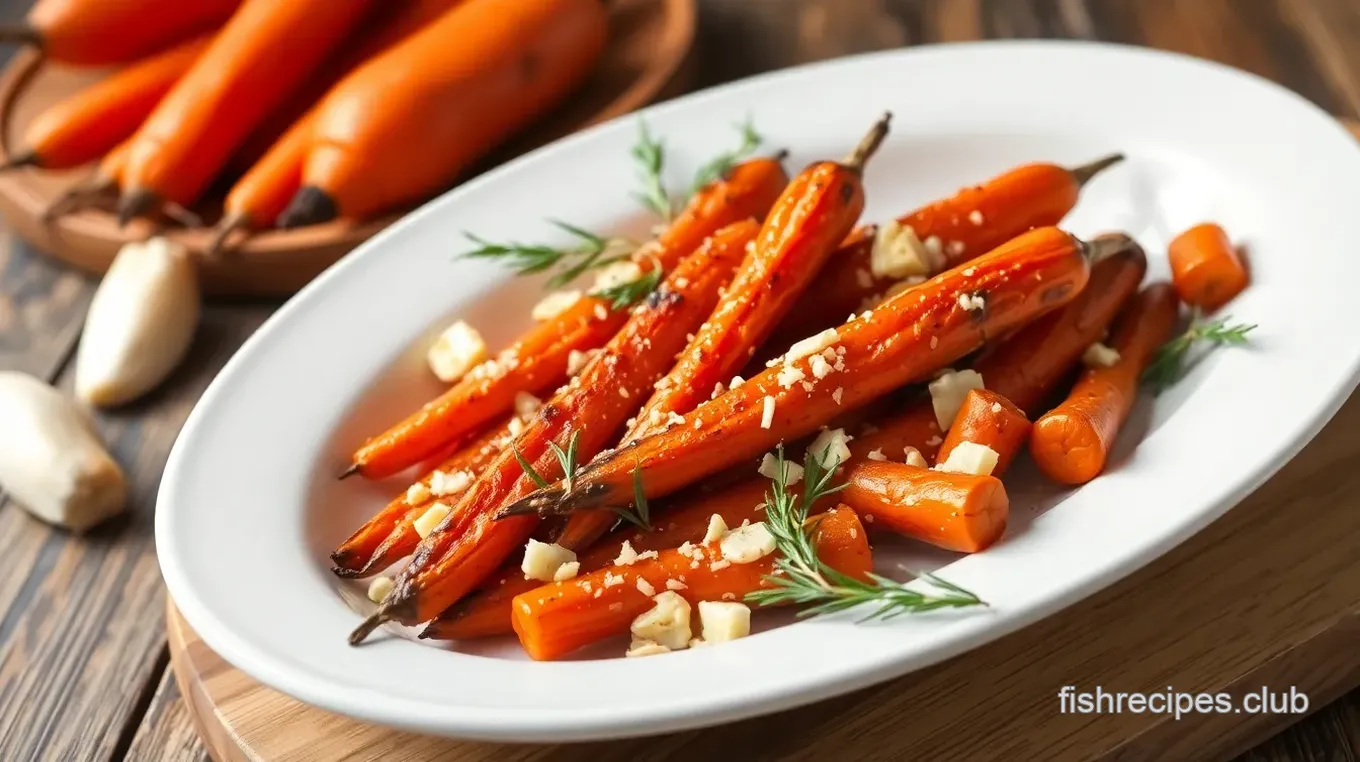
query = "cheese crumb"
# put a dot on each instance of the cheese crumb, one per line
(876, 454)
(716, 529)
(767, 413)
(898, 252)
(746, 544)
(543, 560)
(617, 274)
(1099, 355)
(430, 519)
(554, 304)
(969, 458)
(515, 427)
(417, 493)
(645, 648)
(566, 571)
(601, 312)
(723, 621)
(526, 404)
(955, 248)
(645, 587)
(675, 584)
(577, 360)
(975, 217)
(914, 457)
(379, 588)
(789, 375)
(735, 382)
(836, 395)
(458, 350)
(611, 579)
(719, 565)
(650, 554)
(830, 448)
(443, 484)
(820, 367)
(948, 391)
(935, 248)
(666, 623)
(674, 418)
(996, 407)
(626, 555)
(769, 468)
(973, 302)
(811, 345)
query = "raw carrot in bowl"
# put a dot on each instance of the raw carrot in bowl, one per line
(1072, 442)
(1206, 269)
(105, 32)
(955, 511)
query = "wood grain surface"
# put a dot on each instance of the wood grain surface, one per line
(83, 671)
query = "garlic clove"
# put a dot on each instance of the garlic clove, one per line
(52, 462)
(140, 323)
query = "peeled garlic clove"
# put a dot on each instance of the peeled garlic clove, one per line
(51, 460)
(141, 321)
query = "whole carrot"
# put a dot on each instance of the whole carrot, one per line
(581, 419)
(538, 360)
(259, 58)
(1205, 267)
(95, 120)
(961, 512)
(991, 420)
(557, 619)
(1071, 443)
(902, 340)
(102, 33)
(814, 212)
(953, 230)
(406, 123)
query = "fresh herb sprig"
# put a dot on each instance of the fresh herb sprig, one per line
(723, 162)
(802, 578)
(627, 294)
(650, 155)
(641, 514)
(565, 458)
(589, 251)
(1168, 364)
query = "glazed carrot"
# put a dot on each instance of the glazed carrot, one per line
(961, 512)
(259, 58)
(1027, 367)
(386, 136)
(468, 545)
(1071, 443)
(488, 612)
(556, 619)
(1205, 267)
(103, 33)
(391, 534)
(991, 420)
(902, 340)
(973, 221)
(95, 120)
(538, 360)
(814, 212)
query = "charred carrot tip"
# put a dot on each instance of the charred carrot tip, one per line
(1085, 172)
(134, 204)
(781, 154)
(19, 34)
(310, 206)
(73, 198)
(181, 215)
(366, 628)
(348, 472)
(869, 143)
(544, 502)
(25, 159)
(1106, 246)
(229, 224)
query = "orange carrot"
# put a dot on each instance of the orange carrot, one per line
(102, 33)
(404, 125)
(95, 120)
(259, 58)
(1205, 267)
(488, 612)
(814, 212)
(956, 229)
(557, 619)
(1071, 443)
(991, 420)
(962, 512)
(1027, 367)
(468, 545)
(538, 360)
(905, 339)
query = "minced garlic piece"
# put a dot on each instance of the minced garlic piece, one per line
(430, 519)
(1099, 355)
(914, 457)
(830, 448)
(554, 304)
(526, 404)
(645, 648)
(566, 571)
(459, 349)
(811, 345)
(973, 302)
(769, 468)
(723, 620)
(969, 458)
(443, 484)
(716, 529)
(542, 560)
(767, 412)
(898, 253)
(617, 274)
(645, 587)
(789, 375)
(577, 360)
(666, 622)
(379, 588)
(876, 454)
(626, 555)
(948, 391)
(417, 493)
(747, 543)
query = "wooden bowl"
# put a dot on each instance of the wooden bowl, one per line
(649, 42)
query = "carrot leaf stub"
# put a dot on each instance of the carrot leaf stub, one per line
(801, 578)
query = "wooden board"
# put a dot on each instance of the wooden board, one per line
(650, 40)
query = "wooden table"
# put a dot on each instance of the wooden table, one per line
(83, 661)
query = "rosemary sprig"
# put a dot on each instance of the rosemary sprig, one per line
(641, 515)
(589, 251)
(723, 162)
(529, 469)
(627, 294)
(802, 578)
(1168, 364)
(566, 458)
(650, 155)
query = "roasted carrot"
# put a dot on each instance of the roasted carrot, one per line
(1071, 443)
(812, 215)
(962, 512)
(95, 120)
(259, 58)
(1027, 367)
(970, 223)
(991, 420)
(556, 619)
(406, 123)
(488, 612)
(1205, 267)
(538, 360)
(902, 340)
(103, 33)
(391, 534)
(468, 545)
